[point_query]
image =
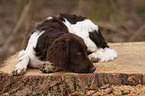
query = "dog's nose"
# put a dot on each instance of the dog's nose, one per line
(92, 69)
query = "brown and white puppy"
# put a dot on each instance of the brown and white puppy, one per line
(48, 46)
(52, 47)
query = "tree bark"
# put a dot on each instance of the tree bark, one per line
(62, 84)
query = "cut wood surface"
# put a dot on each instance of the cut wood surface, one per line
(127, 68)
(131, 59)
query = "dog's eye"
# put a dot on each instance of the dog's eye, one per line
(79, 53)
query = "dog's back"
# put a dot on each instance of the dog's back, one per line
(53, 29)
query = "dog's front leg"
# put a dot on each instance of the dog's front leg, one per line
(103, 55)
(23, 61)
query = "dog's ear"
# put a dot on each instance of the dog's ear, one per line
(58, 53)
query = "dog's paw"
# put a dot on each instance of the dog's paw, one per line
(103, 55)
(49, 68)
(108, 55)
(19, 70)
(94, 60)
(21, 67)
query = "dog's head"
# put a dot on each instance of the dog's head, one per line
(70, 53)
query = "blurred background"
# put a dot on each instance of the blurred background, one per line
(120, 20)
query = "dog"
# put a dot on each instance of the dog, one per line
(52, 48)
(64, 42)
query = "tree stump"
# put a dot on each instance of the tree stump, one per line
(127, 68)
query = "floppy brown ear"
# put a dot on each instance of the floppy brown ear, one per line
(58, 53)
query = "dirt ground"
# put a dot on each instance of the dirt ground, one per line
(123, 90)
(113, 90)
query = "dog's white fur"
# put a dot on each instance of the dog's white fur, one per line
(82, 29)
(34, 61)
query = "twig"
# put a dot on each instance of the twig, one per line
(22, 18)
(111, 27)
(18, 25)
(27, 24)
(137, 33)
(80, 7)
(113, 5)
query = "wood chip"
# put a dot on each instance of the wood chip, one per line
(105, 86)
(109, 90)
